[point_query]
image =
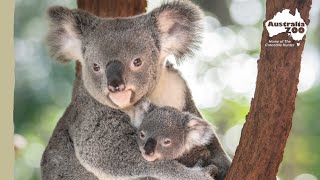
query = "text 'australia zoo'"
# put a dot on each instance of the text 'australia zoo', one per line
(293, 27)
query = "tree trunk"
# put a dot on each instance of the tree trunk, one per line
(269, 120)
(111, 8)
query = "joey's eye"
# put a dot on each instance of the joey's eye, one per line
(167, 142)
(142, 135)
(137, 62)
(96, 67)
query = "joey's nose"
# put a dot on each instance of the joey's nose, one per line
(150, 146)
(114, 73)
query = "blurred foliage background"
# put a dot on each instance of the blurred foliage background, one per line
(221, 76)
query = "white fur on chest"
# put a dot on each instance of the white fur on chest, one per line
(170, 91)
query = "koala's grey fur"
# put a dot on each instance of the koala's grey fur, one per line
(94, 139)
(192, 138)
(91, 137)
(172, 28)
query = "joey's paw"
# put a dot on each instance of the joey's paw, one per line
(199, 163)
(211, 170)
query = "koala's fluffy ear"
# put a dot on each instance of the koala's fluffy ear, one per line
(199, 132)
(67, 29)
(180, 26)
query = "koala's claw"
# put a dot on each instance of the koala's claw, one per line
(211, 170)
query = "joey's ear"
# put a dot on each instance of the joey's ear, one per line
(143, 107)
(199, 131)
(180, 26)
(139, 111)
(67, 29)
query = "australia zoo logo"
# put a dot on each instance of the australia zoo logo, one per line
(284, 22)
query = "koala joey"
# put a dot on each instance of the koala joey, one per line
(122, 60)
(165, 133)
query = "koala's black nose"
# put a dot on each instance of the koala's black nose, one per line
(114, 73)
(150, 146)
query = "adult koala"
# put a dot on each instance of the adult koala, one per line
(122, 60)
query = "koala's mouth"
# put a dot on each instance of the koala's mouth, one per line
(121, 99)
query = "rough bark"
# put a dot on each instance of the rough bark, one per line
(269, 120)
(111, 8)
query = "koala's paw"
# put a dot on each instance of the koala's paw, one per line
(199, 163)
(211, 170)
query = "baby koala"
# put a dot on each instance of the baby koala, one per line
(165, 133)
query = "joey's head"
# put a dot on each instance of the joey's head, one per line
(166, 133)
(122, 58)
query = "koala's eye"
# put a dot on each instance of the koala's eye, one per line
(96, 67)
(142, 135)
(167, 142)
(137, 62)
